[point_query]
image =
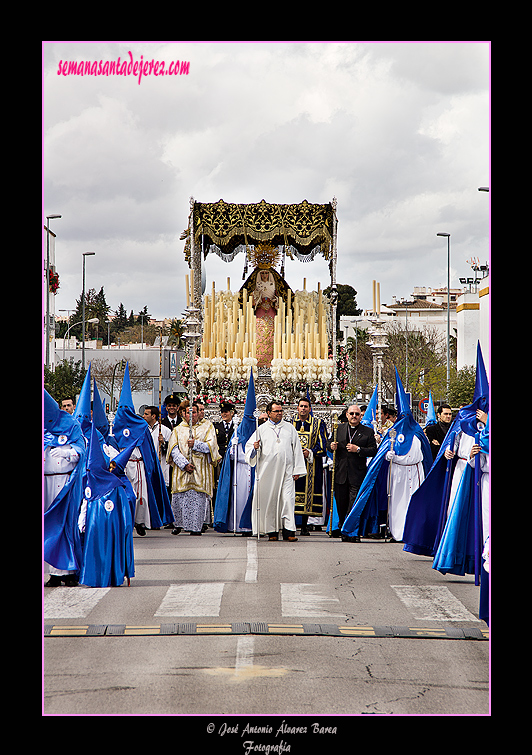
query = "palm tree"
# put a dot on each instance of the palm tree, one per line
(176, 339)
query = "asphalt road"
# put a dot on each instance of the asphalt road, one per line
(235, 631)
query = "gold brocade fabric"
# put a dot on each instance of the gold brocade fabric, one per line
(202, 478)
(281, 286)
(265, 330)
(228, 225)
(309, 492)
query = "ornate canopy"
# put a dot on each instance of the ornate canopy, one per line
(226, 228)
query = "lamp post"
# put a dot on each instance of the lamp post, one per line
(448, 236)
(93, 320)
(47, 289)
(85, 254)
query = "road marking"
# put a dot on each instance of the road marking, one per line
(433, 603)
(307, 600)
(192, 599)
(252, 562)
(244, 654)
(72, 602)
(245, 628)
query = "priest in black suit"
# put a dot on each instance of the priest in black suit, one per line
(224, 429)
(355, 444)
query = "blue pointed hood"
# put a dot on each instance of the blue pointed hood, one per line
(405, 426)
(403, 404)
(468, 420)
(99, 481)
(431, 414)
(99, 417)
(249, 423)
(126, 398)
(127, 425)
(82, 412)
(50, 412)
(60, 427)
(370, 414)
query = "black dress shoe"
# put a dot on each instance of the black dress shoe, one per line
(141, 529)
(54, 581)
(305, 531)
(70, 580)
(176, 530)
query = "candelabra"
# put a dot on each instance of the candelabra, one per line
(191, 335)
(378, 345)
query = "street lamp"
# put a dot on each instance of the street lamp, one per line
(85, 254)
(448, 236)
(93, 320)
(47, 289)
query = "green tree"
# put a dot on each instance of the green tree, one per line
(176, 339)
(120, 320)
(462, 386)
(95, 306)
(67, 379)
(420, 352)
(346, 304)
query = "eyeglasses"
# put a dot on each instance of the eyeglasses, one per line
(354, 414)
(276, 411)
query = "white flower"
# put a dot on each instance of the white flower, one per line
(203, 369)
(276, 370)
(218, 368)
(247, 364)
(325, 370)
(233, 369)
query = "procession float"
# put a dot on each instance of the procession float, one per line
(287, 336)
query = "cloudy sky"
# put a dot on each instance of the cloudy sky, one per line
(397, 132)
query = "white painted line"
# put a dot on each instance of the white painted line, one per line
(192, 599)
(433, 603)
(72, 602)
(252, 562)
(307, 601)
(244, 654)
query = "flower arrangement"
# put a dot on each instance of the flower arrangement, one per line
(53, 281)
(227, 379)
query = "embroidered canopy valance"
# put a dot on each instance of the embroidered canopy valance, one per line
(226, 228)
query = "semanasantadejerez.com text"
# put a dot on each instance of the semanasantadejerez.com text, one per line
(126, 67)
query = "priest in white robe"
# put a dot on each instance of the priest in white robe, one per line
(193, 456)
(275, 452)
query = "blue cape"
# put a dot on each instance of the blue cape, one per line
(425, 519)
(128, 427)
(460, 548)
(371, 505)
(108, 556)
(224, 491)
(456, 551)
(61, 540)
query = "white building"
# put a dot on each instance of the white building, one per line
(473, 325)
(469, 317)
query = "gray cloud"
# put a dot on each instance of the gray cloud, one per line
(399, 133)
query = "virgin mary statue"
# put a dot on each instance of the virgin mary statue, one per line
(265, 304)
(265, 287)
